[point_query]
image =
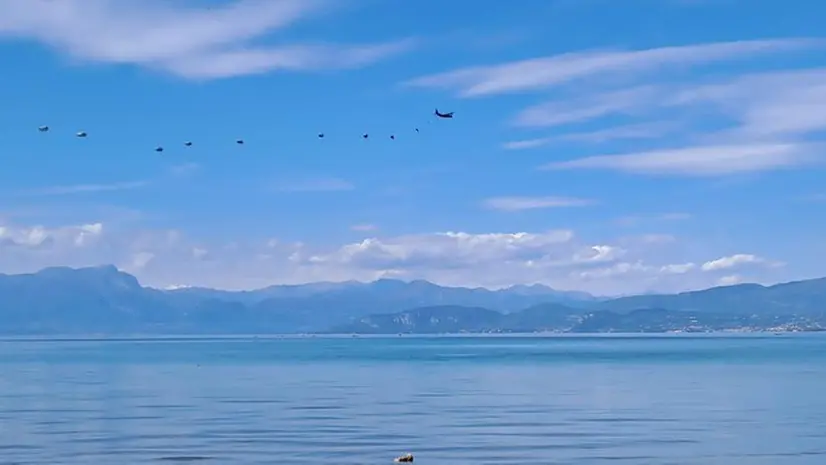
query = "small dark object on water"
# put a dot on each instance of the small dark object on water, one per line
(404, 458)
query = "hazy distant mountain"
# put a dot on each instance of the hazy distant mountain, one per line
(395, 292)
(105, 300)
(800, 297)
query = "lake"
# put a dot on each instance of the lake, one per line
(734, 399)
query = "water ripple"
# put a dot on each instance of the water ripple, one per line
(456, 401)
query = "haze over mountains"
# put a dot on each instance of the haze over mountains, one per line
(103, 300)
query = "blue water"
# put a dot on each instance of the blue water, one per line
(459, 400)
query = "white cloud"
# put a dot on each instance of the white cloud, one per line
(527, 144)
(199, 253)
(615, 270)
(766, 107)
(756, 105)
(140, 260)
(207, 42)
(730, 280)
(742, 122)
(732, 261)
(678, 268)
(538, 73)
(532, 203)
(711, 160)
(558, 258)
(36, 237)
(292, 58)
(365, 227)
(619, 101)
(630, 131)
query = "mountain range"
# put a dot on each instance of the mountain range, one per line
(104, 300)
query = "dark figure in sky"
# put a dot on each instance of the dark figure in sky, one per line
(417, 129)
(321, 135)
(81, 134)
(392, 137)
(188, 144)
(240, 142)
(365, 136)
(159, 149)
(43, 129)
(443, 115)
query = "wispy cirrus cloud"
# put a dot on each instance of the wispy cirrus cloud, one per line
(748, 123)
(527, 143)
(174, 171)
(538, 73)
(632, 131)
(573, 111)
(83, 188)
(708, 160)
(652, 130)
(751, 105)
(737, 123)
(512, 204)
(198, 43)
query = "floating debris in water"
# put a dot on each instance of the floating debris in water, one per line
(404, 458)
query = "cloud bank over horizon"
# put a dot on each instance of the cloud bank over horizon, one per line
(558, 258)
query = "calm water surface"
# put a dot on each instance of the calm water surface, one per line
(486, 400)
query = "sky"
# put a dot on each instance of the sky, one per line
(614, 147)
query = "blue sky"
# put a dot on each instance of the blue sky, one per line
(613, 147)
